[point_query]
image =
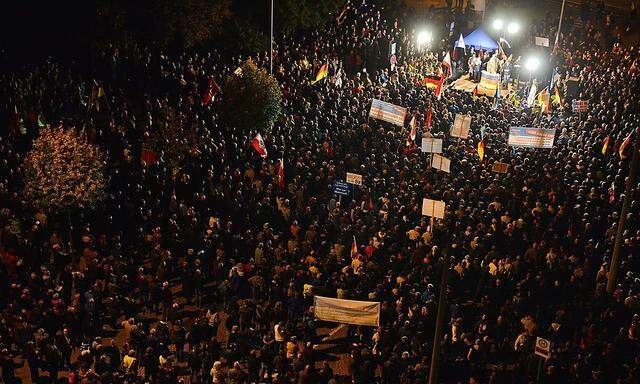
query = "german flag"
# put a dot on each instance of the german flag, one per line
(624, 146)
(322, 73)
(354, 248)
(481, 150)
(605, 144)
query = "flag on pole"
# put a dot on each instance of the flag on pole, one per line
(460, 42)
(624, 146)
(543, 101)
(502, 40)
(41, 122)
(258, 145)
(556, 96)
(427, 119)
(212, 89)
(322, 73)
(446, 62)
(354, 248)
(481, 150)
(413, 132)
(605, 144)
(532, 93)
(281, 182)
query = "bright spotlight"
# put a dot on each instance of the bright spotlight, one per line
(532, 64)
(424, 37)
(513, 27)
(498, 24)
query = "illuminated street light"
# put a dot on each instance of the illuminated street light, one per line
(424, 37)
(498, 24)
(513, 27)
(532, 64)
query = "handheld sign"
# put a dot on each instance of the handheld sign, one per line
(499, 167)
(433, 208)
(431, 145)
(388, 112)
(579, 106)
(543, 347)
(542, 41)
(461, 126)
(529, 137)
(354, 178)
(341, 188)
(440, 162)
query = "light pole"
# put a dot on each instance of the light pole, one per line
(271, 42)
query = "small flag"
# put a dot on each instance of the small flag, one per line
(605, 144)
(556, 96)
(41, 122)
(460, 42)
(427, 119)
(543, 101)
(259, 146)
(322, 73)
(502, 40)
(481, 150)
(148, 156)
(212, 89)
(624, 146)
(281, 182)
(532, 93)
(413, 132)
(354, 248)
(446, 62)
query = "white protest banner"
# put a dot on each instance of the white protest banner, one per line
(543, 347)
(461, 126)
(440, 162)
(431, 145)
(499, 167)
(354, 178)
(347, 311)
(542, 41)
(531, 137)
(433, 208)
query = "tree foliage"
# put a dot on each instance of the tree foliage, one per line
(251, 99)
(64, 171)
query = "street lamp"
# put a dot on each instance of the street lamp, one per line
(424, 37)
(498, 24)
(532, 64)
(513, 28)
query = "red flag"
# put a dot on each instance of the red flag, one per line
(427, 119)
(281, 183)
(259, 146)
(612, 194)
(413, 132)
(148, 157)
(210, 91)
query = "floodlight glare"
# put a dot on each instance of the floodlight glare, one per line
(498, 24)
(424, 37)
(532, 64)
(513, 27)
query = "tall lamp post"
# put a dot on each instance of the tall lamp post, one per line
(271, 42)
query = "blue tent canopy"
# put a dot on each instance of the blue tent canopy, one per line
(480, 39)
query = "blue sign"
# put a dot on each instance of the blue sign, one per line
(341, 188)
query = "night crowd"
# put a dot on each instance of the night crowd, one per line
(206, 273)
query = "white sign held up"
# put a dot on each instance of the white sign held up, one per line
(440, 162)
(431, 145)
(433, 208)
(354, 178)
(461, 126)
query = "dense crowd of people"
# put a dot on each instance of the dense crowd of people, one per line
(206, 272)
